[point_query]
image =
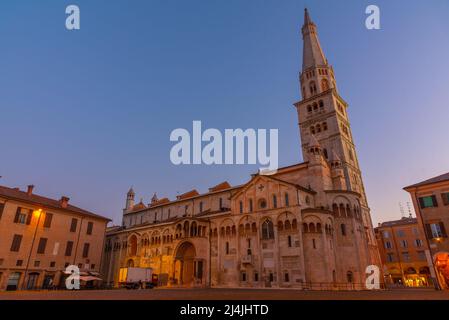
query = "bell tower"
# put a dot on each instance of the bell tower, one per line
(322, 114)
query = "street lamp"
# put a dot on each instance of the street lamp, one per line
(38, 214)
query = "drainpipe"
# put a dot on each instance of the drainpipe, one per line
(210, 257)
(78, 240)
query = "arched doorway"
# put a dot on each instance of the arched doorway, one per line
(442, 265)
(185, 264)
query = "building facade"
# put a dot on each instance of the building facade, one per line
(431, 202)
(402, 249)
(40, 237)
(306, 226)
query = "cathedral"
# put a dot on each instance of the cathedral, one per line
(307, 226)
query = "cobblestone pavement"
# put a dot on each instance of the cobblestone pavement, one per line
(227, 294)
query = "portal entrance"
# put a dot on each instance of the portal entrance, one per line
(442, 265)
(185, 264)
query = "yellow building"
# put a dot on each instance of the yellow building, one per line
(402, 249)
(40, 237)
(431, 201)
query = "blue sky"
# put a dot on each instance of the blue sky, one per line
(88, 113)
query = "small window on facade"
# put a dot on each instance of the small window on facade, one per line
(343, 229)
(73, 225)
(241, 206)
(289, 240)
(286, 277)
(90, 226)
(256, 277)
(48, 219)
(250, 205)
(428, 202)
(287, 202)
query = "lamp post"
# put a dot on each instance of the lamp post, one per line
(38, 213)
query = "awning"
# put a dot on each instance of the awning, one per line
(89, 278)
(93, 273)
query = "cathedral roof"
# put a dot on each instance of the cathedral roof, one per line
(221, 186)
(189, 194)
(139, 206)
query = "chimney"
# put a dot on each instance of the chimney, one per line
(30, 189)
(64, 201)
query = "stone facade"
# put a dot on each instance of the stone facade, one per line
(307, 226)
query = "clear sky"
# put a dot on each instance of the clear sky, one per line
(88, 113)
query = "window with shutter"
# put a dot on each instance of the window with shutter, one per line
(2, 207)
(16, 241)
(90, 226)
(444, 197)
(428, 202)
(29, 216)
(443, 230)
(68, 248)
(48, 219)
(73, 225)
(86, 250)
(42, 245)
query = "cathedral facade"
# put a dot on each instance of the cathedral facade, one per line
(306, 226)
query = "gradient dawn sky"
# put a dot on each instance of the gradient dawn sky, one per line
(88, 113)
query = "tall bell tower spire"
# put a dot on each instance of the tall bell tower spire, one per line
(312, 53)
(322, 114)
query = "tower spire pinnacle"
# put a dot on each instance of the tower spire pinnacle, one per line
(312, 53)
(307, 19)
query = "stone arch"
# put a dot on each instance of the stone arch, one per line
(132, 241)
(184, 263)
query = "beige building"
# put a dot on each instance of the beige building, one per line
(431, 201)
(40, 237)
(402, 248)
(307, 226)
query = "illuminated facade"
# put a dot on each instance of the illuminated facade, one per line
(40, 237)
(402, 248)
(431, 202)
(307, 226)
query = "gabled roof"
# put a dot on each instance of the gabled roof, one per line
(34, 199)
(221, 186)
(440, 178)
(189, 194)
(257, 176)
(159, 202)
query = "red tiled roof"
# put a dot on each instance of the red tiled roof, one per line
(440, 178)
(159, 202)
(221, 186)
(189, 194)
(16, 194)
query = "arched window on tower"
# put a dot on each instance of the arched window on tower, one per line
(312, 130)
(321, 104)
(312, 87)
(325, 153)
(309, 108)
(324, 126)
(318, 128)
